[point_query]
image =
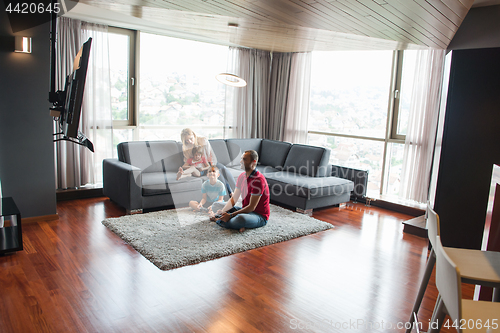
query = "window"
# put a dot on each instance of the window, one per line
(178, 88)
(349, 92)
(359, 109)
(122, 75)
(403, 90)
(171, 86)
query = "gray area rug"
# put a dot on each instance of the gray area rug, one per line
(179, 237)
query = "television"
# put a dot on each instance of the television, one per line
(67, 103)
(75, 85)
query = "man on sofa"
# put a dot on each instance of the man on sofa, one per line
(253, 188)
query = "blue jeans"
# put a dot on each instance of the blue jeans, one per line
(244, 220)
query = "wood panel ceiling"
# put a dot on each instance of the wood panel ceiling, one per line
(300, 25)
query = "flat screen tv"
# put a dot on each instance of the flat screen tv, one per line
(67, 103)
(75, 86)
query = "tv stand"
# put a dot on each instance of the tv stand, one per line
(11, 236)
(81, 140)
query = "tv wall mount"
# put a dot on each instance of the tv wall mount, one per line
(66, 104)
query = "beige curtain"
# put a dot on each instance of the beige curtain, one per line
(275, 103)
(67, 155)
(422, 125)
(278, 97)
(97, 120)
(76, 165)
(247, 108)
(297, 106)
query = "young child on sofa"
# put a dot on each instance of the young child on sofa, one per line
(195, 166)
(213, 190)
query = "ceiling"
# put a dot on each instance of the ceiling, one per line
(291, 25)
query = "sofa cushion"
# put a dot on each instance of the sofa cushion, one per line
(273, 153)
(220, 149)
(266, 169)
(151, 156)
(237, 147)
(234, 171)
(295, 184)
(305, 160)
(154, 183)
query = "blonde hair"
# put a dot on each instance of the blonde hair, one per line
(198, 141)
(187, 132)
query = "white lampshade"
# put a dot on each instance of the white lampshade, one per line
(231, 80)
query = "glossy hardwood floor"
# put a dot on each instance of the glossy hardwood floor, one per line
(75, 275)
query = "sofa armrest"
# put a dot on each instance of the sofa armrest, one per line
(122, 183)
(359, 177)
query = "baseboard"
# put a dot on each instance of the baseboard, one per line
(396, 207)
(43, 218)
(82, 193)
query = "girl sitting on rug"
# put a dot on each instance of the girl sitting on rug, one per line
(212, 191)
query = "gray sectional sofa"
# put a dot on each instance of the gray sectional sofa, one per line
(144, 175)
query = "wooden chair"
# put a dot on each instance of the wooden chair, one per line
(466, 315)
(476, 267)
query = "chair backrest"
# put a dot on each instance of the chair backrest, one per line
(432, 225)
(448, 282)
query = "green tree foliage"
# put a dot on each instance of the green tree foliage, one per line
(119, 114)
(121, 85)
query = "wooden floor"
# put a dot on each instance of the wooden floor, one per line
(75, 275)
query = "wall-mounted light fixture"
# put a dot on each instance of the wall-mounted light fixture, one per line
(22, 44)
(231, 80)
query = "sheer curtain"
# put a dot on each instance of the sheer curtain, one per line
(297, 108)
(422, 125)
(97, 121)
(278, 99)
(76, 165)
(248, 107)
(275, 103)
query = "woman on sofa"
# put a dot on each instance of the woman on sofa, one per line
(189, 139)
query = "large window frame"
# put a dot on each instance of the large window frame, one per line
(394, 104)
(393, 115)
(133, 123)
(132, 81)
